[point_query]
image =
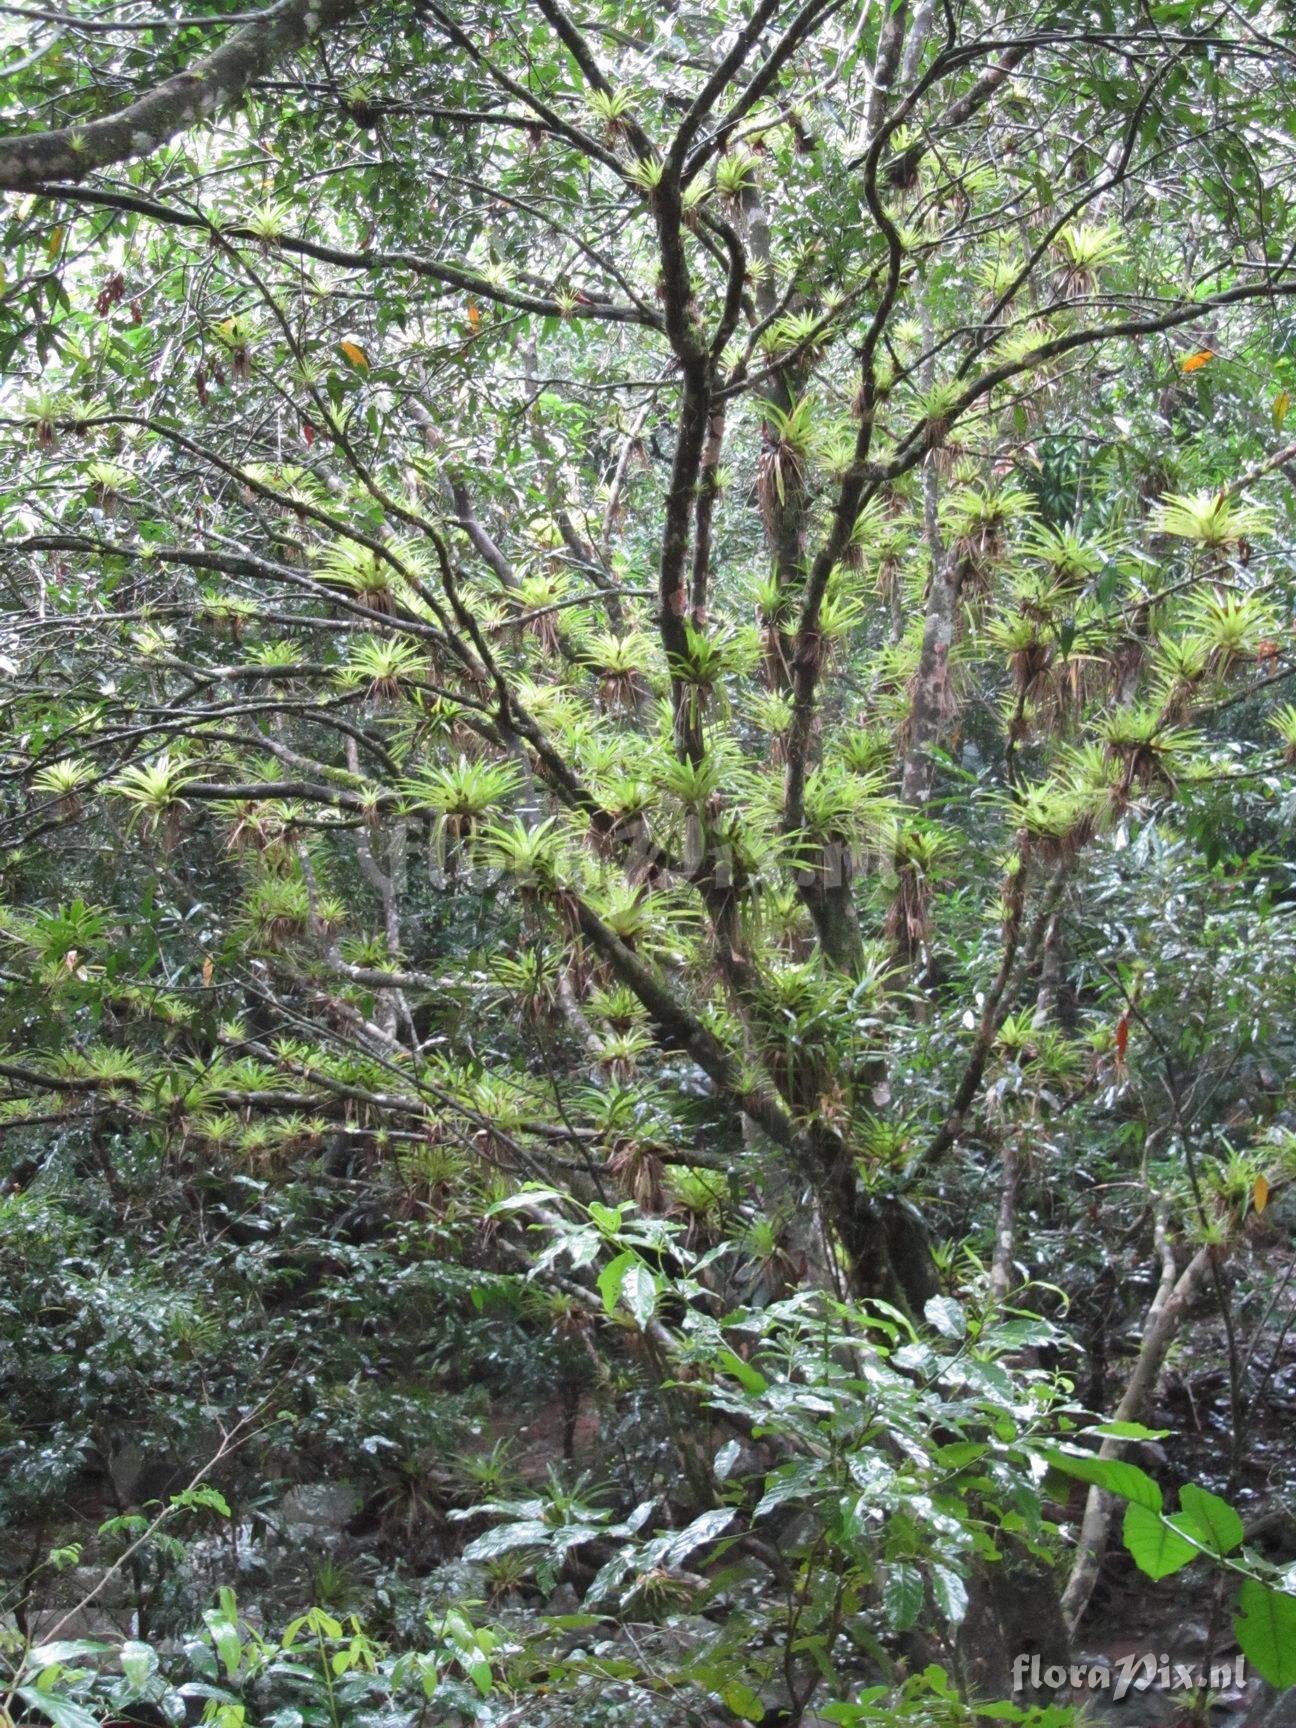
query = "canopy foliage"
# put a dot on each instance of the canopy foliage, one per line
(645, 788)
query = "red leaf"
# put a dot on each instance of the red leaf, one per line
(308, 433)
(1122, 1036)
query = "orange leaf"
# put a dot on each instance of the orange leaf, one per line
(355, 354)
(1260, 1193)
(474, 314)
(1194, 361)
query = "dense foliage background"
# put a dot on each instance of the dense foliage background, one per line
(646, 867)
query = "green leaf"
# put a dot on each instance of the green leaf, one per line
(609, 1279)
(1125, 1431)
(1113, 1475)
(1266, 1630)
(945, 1316)
(950, 1594)
(139, 1663)
(63, 1650)
(202, 1496)
(1221, 1528)
(744, 1703)
(639, 1293)
(62, 1712)
(902, 1596)
(527, 1533)
(749, 1378)
(1157, 1547)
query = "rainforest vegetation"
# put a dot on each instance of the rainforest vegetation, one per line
(647, 878)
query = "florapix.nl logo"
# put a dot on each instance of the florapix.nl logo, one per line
(1132, 1673)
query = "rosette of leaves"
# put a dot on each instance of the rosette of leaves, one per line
(263, 826)
(655, 922)
(841, 809)
(1069, 558)
(618, 1054)
(865, 750)
(697, 1191)
(1284, 724)
(776, 918)
(267, 222)
(885, 1144)
(537, 598)
(234, 611)
(935, 407)
(536, 857)
(619, 662)
(611, 108)
(462, 793)
(372, 578)
(110, 485)
(281, 909)
(1212, 520)
(64, 783)
(735, 174)
(617, 1005)
(839, 615)
(1083, 251)
(802, 1010)
(787, 442)
(776, 613)
(380, 665)
(236, 335)
(646, 174)
(918, 855)
(1056, 816)
(977, 520)
(529, 981)
(769, 712)
(1026, 643)
(693, 201)
(1231, 627)
(1180, 665)
(801, 335)
(1148, 750)
(154, 792)
(633, 1135)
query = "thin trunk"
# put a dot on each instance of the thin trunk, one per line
(1001, 1266)
(1175, 1294)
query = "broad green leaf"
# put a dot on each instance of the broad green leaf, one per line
(1220, 1526)
(1266, 1630)
(1125, 1431)
(139, 1663)
(1157, 1548)
(902, 1595)
(609, 1279)
(744, 1703)
(62, 1712)
(527, 1533)
(639, 1293)
(63, 1650)
(1113, 1475)
(945, 1316)
(749, 1378)
(950, 1594)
